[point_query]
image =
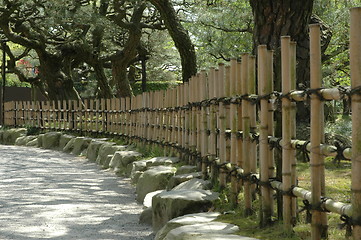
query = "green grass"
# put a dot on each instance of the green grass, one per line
(338, 184)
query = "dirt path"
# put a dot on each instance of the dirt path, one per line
(51, 195)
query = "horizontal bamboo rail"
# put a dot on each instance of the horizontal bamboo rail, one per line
(211, 121)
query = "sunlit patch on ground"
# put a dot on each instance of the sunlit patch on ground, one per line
(51, 195)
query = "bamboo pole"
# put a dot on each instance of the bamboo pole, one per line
(355, 65)
(287, 151)
(234, 130)
(264, 89)
(246, 135)
(318, 227)
(239, 116)
(293, 63)
(222, 123)
(328, 204)
(227, 92)
(212, 147)
(252, 115)
(203, 86)
(270, 81)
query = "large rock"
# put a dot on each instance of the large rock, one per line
(186, 169)
(80, 144)
(194, 231)
(105, 150)
(51, 140)
(146, 216)
(76, 145)
(93, 149)
(121, 160)
(23, 140)
(188, 219)
(147, 202)
(10, 135)
(40, 140)
(32, 143)
(178, 179)
(155, 178)
(175, 203)
(194, 184)
(138, 167)
(64, 139)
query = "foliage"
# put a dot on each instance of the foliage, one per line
(153, 86)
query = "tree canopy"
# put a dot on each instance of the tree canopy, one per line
(96, 46)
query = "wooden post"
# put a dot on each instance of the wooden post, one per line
(355, 65)
(287, 134)
(264, 89)
(246, 136)
(239, 116)
(318, 227)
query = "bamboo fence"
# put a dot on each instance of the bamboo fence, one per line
(211, 120)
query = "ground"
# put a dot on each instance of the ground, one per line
(51, 195)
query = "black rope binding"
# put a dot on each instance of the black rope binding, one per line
(340, 150)
(303, 150)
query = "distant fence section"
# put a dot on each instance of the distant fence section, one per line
(18, 94)
(213, 120)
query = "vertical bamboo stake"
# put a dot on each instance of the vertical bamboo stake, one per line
(252, 114)
(239, 117)
(97, 115)
(246, 136)
(91, 115)
(318, 227)
(293, 64)
(271, 164)
(118, 115)
(227, 124)
(199, 89)
(287, 152)
(203, 87)
(234, 130)
(55, 112)
(212, 147)
(355, 65)
(264, 89)
(222, 123)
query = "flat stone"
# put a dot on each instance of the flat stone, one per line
(186, 169)
(143, 165)
(188, 219)
(197, 230)
(194, 184)
(175, 203)
(155, 178)
(178, 179)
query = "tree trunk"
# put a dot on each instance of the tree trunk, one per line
(122, 62)
(273, 19)
(59, 85)
(180, 37)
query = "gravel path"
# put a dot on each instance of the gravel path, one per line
(51, 195)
